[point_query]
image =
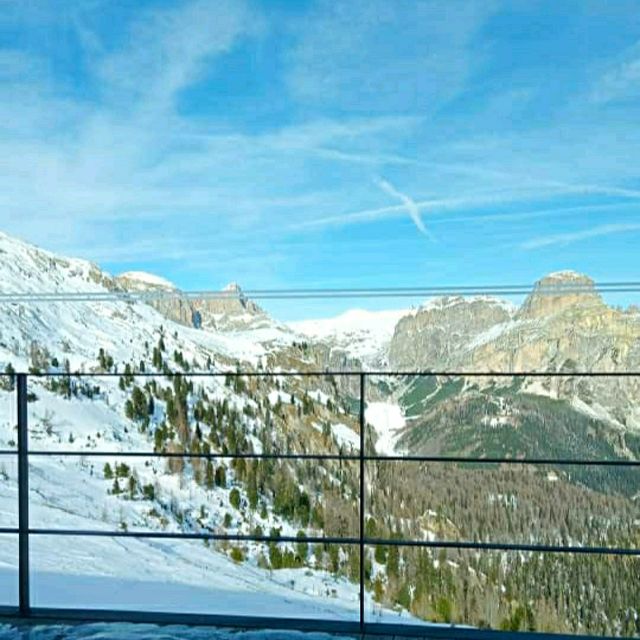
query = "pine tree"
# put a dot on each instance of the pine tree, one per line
(221, 477)
(132, 486)
(209, 478)
(252, 487)
(234, 498)
(9, 381)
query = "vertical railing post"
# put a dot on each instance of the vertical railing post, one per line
(362, 492)
(23, 495)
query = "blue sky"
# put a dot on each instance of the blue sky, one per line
(325, 144)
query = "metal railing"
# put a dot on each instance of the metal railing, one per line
(25, 611)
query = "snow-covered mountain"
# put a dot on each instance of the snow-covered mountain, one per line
(130, 413)
(364, 335)
(203, 419)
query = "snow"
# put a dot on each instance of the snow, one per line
(71, 492)
(388, 421)
(319, 396)
(146, 573)
(447, 302)
(126, 631)
(144, 278)
(566, 274)
(360, 333)
(276, 396)
(491, 334)
(345, 436)
(350, 321)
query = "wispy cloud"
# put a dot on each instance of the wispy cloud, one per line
(173, 122)
(409, 204)
(468, 202)
(168, 48)
(621, 81)
(347, 54)
(563, 239)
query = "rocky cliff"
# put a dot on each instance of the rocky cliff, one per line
(562, 326)
(437, 334)
(230, 311)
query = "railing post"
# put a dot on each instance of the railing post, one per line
(362, 492)
(23, 495)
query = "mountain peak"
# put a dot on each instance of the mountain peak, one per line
(566, 276)
(559, 291)
(144, 280)
(232, 287)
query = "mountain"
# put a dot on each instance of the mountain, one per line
(178, 414)
(149, 402)
(562, 326)
(357, 333)
(434, 336)
(229, 310)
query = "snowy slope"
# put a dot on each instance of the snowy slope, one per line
(75, 330)
(72, 491)
(144, 574)
(360, 333)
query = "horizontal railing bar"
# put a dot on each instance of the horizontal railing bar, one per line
(9, 612)
(8, 452)
(436, 544)
(346, 457)
(55, 615)
(328, 373)
(519, 461)
(172, 454)
(9, 530)
(318, 293)
(175, 535)
(504, 546)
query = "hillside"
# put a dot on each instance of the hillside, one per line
(149, 402)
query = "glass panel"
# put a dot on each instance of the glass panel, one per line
(289, 580)
(8, 414)
(8, 491)
(223, 496)
(8, 570)
(559, 593)
(555, 505)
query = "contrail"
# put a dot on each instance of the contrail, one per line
(409, 203)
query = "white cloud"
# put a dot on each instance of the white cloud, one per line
(563, 239)
(376, 55)
(409, 204)
(168, 49)
(622, 80)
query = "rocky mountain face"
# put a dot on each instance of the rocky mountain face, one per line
(434, 336)
(562, 326)
(230, 311)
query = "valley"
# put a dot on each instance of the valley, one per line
(124, 375)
